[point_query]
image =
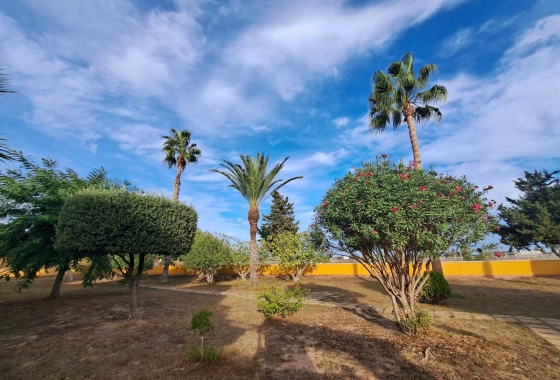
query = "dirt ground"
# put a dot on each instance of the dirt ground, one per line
(87, 335)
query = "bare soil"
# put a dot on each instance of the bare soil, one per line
(87, 334)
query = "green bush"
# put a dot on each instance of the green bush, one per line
(278, 302)
(436, 289)
(207, 255)
(419, 324)
(201, 323)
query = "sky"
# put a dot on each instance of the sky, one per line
(98, 82)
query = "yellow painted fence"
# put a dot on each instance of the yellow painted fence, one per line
(450, 269)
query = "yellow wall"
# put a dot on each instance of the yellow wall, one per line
(450, 269)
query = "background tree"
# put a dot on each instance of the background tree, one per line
(390, 218)
(209, 253)
(6, 153)
(30, 202)
(179, 152)
(296, 252)
(126, 227)
(240, 256)
(534, 217)
(254, 184)
(281, 217)
(397, 97)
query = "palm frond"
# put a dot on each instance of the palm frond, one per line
(424, 74)
(435, 94)
(426, 113)
(178, 149)
(251, 178)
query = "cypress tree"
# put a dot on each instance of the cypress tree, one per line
(280, 219)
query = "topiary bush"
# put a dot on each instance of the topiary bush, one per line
(278, 302)
(436, 289)
(116, 228)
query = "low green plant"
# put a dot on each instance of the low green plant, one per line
(201, 323)
(419, 324)
(210, 355)
(278, 302)
(436, 289)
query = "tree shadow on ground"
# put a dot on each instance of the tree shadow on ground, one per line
(330, 293)
(504, 296)
(87, 333)
(300, 351)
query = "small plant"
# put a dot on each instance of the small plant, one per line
(278, 302)
(436, 289)
(201, 323)
(420, 324)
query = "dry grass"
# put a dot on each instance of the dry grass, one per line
(87, 334)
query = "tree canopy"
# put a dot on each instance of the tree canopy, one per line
(390, 218)
(31, 198)
(115, 223)
(280, 219)
(533, 218)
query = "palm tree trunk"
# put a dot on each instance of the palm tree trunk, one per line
(176, 188)
(414, 141)
(253, 217)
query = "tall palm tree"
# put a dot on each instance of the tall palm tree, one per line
(397, 96)
(6, 153)
(254, 183)
(178, 152)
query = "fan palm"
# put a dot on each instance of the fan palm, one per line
(398, 96)
(179, 152)
(254, 184)
(6, 153)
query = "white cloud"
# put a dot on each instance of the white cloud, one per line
(341, 121)
(302, 40)
(457, 41)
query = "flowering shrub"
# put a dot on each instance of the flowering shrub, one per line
(394, 219)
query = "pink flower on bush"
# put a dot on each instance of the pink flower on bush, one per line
(407, 168)
(490, 187)
(414, 206)
(476, 187)
(420, 200)
(325, 204)
(413, 164)
(422, 188)
(498, 254)
(394, 210)
(373, 232)
(403, 176)
(476, 207)
(496, 228)
(463, 198)
(384, 155)
(458, 188)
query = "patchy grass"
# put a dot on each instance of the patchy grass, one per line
(87, 334)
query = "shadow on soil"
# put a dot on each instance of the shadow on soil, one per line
(300, 351)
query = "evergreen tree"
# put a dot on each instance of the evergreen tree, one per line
(535, 217)
(280, 219)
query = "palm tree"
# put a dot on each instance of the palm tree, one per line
(178, 152)
(399, 94)
(6, 153)
(254, 184)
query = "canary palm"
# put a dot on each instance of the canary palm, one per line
(178, 152)
(254, 184)
(397, 97)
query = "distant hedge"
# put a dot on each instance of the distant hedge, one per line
(116, 221)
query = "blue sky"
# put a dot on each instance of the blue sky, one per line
(99, 82)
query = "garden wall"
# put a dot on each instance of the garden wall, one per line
(450, 269)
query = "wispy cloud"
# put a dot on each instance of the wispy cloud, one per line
(341, 121)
